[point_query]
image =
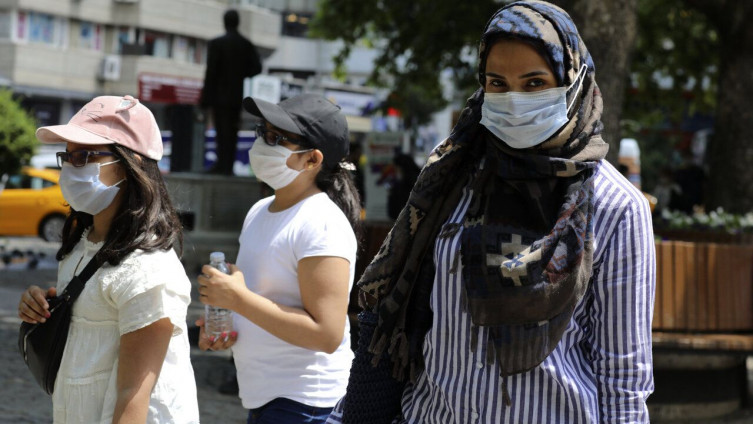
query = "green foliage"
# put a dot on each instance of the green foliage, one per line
(673, 41)
(716, 220)
(17, 140)
(415, 39)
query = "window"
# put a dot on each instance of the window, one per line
(157, 44)
(22, 25)
(122, 36)
(41, 28)
(200, 52)
(18, 181)
(90, 36)
(181, 49)
(125, 41)
(187, 49)
(26, 182)
(40, 183)
(295, 24)
(5, 25)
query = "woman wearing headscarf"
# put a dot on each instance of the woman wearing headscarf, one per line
(517, 284)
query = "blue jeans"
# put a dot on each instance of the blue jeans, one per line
(286, 411)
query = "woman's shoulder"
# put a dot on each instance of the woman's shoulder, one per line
(612, 191)
(261, 203)
(617, 202)
(153, 257)
(159, 265)
(320, 213)
(320, 202)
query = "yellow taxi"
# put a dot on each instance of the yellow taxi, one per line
(32, 204)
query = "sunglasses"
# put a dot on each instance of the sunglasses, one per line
(78, 158)
(273, 138)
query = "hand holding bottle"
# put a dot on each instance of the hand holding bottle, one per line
(221, 289)
(207, 342)
(218, 320)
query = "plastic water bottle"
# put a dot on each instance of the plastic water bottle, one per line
(217, 320)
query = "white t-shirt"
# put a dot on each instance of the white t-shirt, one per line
(142, 289)
(271, 244)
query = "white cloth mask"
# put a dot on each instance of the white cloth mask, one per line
(523, 120)
(269, 164)
(83, 190)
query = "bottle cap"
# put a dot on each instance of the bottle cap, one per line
(216, 257)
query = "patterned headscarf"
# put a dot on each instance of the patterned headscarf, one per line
(526, 245)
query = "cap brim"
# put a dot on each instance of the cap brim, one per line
(271, 113)
(70, 133)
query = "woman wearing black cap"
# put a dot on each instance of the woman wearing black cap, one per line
(296, 263)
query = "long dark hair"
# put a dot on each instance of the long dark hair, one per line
(338, 183)
(146, 218)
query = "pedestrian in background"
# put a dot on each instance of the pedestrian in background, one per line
(406, 173)
(127, 357)
(230, 59)
(517, 285)
(295, 266)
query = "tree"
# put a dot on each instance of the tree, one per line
(609, 29)
(674, 71)
(17, 139)
(731, 151)
(417, 39)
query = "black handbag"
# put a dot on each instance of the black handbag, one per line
(42, 344)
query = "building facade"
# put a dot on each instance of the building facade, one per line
(57, 54)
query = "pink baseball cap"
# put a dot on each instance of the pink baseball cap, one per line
(110, 120)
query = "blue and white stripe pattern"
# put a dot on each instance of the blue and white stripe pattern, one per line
(601, 370)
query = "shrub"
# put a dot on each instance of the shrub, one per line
(716, 220)
(17, 140)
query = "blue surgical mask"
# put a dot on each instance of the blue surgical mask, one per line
(524, 120)
(83, 190)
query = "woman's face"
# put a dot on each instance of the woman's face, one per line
(294, 161)
(515, 66)
(109, 174)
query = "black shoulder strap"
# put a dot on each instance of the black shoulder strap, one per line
(76, 286)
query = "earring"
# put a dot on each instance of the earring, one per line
(311, 166)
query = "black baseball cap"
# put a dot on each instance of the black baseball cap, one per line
(311, 116)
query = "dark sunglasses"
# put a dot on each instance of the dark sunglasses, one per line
(273, 138)
(78, 158)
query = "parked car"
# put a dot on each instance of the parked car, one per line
(32, 204)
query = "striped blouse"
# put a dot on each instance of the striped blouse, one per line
(601, 370)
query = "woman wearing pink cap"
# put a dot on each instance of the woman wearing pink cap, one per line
(127, 355)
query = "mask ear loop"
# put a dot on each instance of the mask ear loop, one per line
(305, 168)
(578, 80)
(301, 151)
(110, 163)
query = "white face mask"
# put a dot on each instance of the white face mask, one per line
(269, 164)
(523, 120)
(83, 190)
